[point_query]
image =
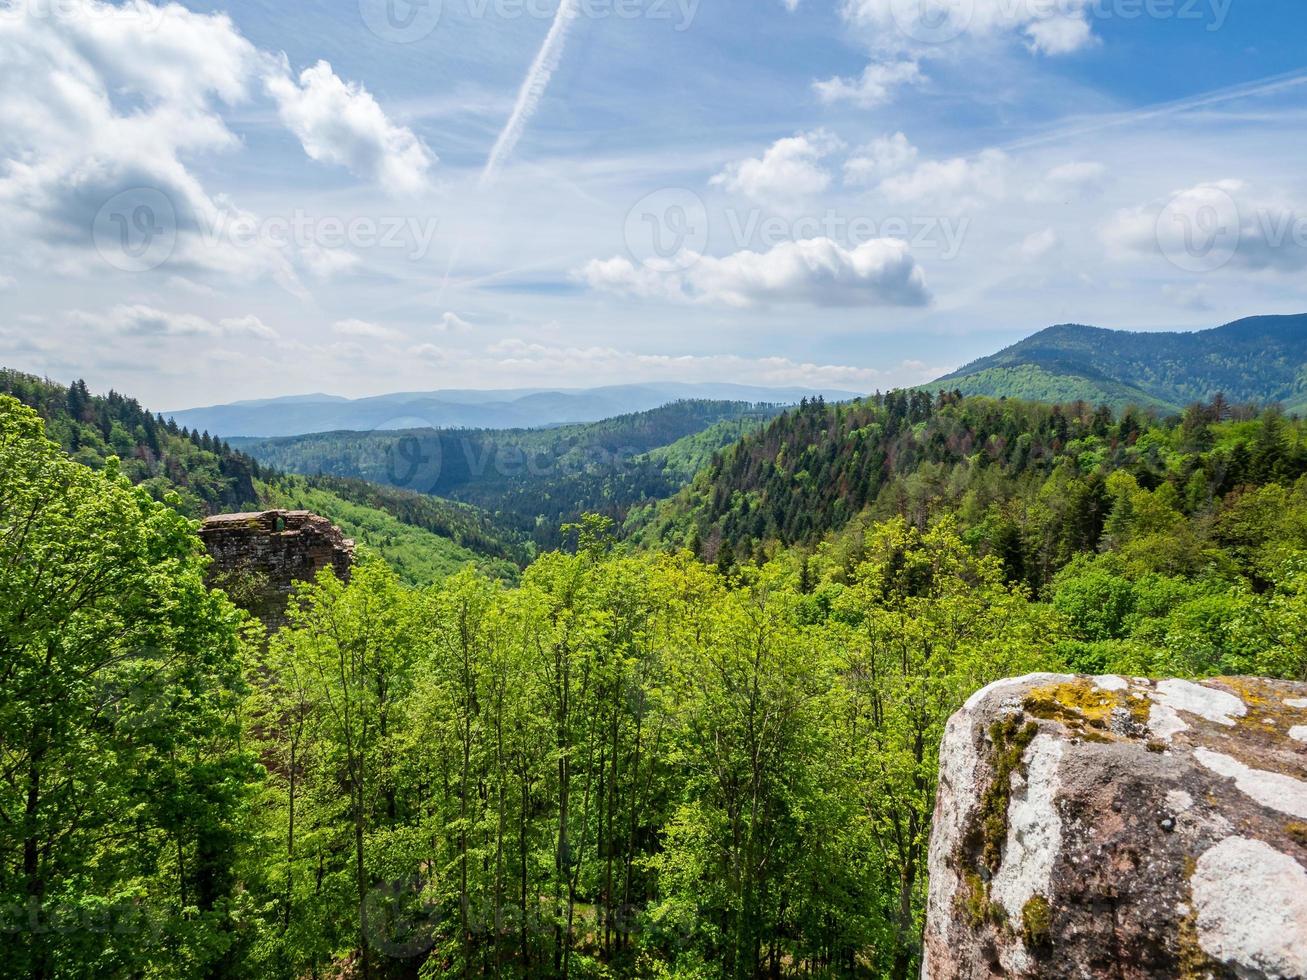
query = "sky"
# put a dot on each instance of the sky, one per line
(208, 202)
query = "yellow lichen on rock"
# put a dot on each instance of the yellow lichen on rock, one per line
(1076, 701)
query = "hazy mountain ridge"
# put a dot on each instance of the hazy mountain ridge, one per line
(519, 408)
(1262, 360)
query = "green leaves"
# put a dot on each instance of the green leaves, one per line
(627, 764)
(119, 725)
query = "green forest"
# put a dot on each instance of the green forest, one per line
(699, 744)
(1257, 359)
(532, 480)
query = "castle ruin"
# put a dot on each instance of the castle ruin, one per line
(259, 557)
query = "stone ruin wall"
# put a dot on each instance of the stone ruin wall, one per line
(259, 557)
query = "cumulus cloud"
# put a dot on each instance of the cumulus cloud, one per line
(453, 323)
(817, 272)
(98, 104)
(960, 182)
(105, 109)
(1069, 182)
(790, 170)
(140, 320)
(881, 158)
(1046, 28)
(340, 122)
(875, 86)
(430, 353)
(901, 34)
(1212, 226)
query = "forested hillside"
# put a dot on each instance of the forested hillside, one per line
(1033, 484)
(204, 471)
(424, 545)
(533, 480)
(1262, 360)
(634, 764)
(425, 538)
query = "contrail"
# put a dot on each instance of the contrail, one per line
(533, 89)
(1264, 86)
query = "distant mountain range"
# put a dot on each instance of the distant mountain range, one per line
(1260, 359)
(469, 409)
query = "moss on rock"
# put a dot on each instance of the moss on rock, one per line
(1037, 922)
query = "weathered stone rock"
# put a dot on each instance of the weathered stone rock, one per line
(258, 558)
(1117, 827)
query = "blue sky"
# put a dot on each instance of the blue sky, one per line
(216, 201)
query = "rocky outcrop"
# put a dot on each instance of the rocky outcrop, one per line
(258, 558)
(1123, 828)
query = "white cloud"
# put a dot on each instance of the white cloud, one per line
(364, 328)
(817, 272)
(1050, 28)
(324, 263)
(1213, 226)
(110, 100)
(789, 171)
(249, 326)
(107, 106)
(1060, 35)
(603, 364)
(960, 182)
(453, 323)
(1037, 245)
(141, 320)
(1069, 182)
(340, 122)
(875, 86)
(429, 353)
(900, 34)
(881, 158)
